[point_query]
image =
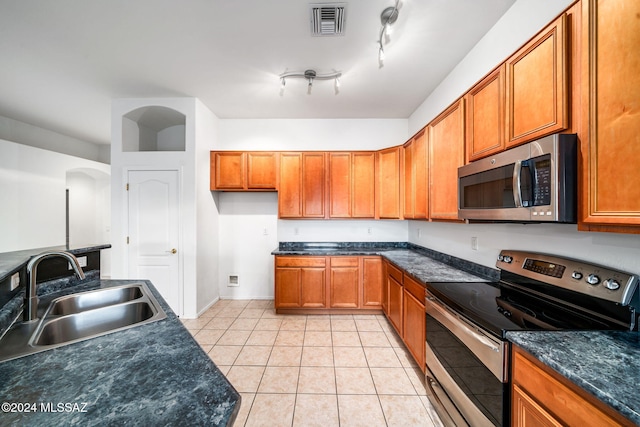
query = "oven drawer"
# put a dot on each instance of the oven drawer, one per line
(489, 350)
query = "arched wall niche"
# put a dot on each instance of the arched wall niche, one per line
(153, 128)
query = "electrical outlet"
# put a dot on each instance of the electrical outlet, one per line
(419, 233)
(265, 232)
(474, 243)
(296, 231)
(15, 280)
(369, 230)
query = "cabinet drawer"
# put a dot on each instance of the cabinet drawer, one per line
(414, 288)
(301, 261)
(344, 261)
(394, 272)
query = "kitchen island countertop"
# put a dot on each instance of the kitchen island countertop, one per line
(152, 374)
(604, 363)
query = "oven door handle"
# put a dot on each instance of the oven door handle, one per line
(467, 328)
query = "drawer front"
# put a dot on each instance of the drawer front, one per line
(394, 272)
(414, 288)
(301, 261)
(343, 261)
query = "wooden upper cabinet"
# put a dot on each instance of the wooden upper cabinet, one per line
(340, 185)
(363, 184)
(290, 191)
(415, 167)
(537, 86)
(351, 184)
(388, 188)
(611, 104)
(302, 185)
(313, 185)
(446, 143)
(262, 170)
(485, 116)
(243, 171)
(228, 170)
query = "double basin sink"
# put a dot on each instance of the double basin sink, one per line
(81, 316)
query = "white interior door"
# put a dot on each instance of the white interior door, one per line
(154, 218)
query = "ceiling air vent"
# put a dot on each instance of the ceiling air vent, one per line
(327, 19)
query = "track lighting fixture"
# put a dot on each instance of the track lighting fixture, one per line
(311, 76)
(387, 18)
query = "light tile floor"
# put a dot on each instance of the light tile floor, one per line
(313, 370)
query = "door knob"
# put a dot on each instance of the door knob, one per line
(173, 251)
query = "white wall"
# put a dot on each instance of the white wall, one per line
(23, 133)
(33, 186)
(244, 248)
(198, 216)
(207, 249)
(519, 24)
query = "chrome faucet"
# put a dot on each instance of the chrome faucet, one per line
(30, 311)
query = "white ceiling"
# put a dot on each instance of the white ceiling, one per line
(63, 61)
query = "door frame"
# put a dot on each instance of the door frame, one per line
(125, 220)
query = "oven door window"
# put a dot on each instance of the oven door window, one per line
(476, 381)
(492, 189)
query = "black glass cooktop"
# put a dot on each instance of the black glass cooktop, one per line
(498, 307)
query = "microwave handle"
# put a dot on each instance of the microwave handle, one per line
(517, 194)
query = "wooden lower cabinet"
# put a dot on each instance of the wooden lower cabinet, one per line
(300, 282)
(372, 296)
(405, 310)
(344, 282)
(542, 397)
(335, 283)
(413, 320)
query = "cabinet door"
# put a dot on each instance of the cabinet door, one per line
(446, 143)
(385, 288)
(527, 413)
(413, 321)
(611, 92)
(372, 296)
(388, 190)
(344, 276)
(340, 185)
(287, 287)
(363, 185)
(407, 176)
(228, 170)
(290, 191)
(537, 86)
(313, 287)
(261, 170)
(313, 185)
(395, 303)
(485, 116)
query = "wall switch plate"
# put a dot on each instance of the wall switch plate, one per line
(82, 261)
(15, 280)
(474, 243)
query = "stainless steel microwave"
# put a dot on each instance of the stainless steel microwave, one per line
(534, 182)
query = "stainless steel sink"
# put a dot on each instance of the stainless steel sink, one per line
(82, 316)
(91, 300)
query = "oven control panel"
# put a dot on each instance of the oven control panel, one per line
(578, 276)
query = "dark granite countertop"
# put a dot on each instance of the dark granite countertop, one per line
(152, 374)
(604, 363)
(12, 261)
(424, 265)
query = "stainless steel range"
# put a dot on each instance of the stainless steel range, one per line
(467, 354)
